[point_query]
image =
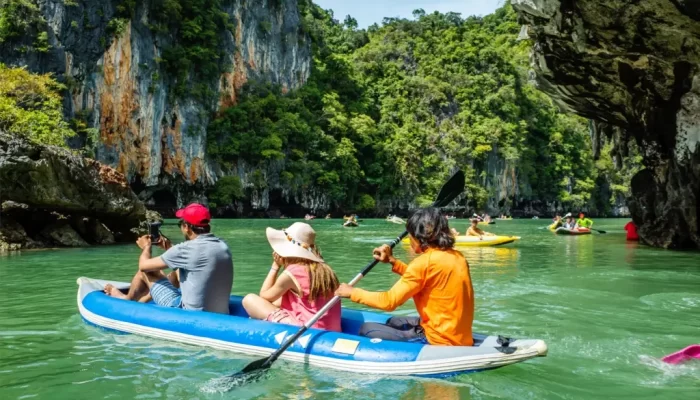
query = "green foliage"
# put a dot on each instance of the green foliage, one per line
(265, 27)
(390, 112)
(226, 191)
(366, 203)
(117, 26)
(22, 19)
(195, 57)
(615, 174)
(31, 106)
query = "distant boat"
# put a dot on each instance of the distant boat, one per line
(451, 217)
(351, 224)
(396, 220)
(309, 217)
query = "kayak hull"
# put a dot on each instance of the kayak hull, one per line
(474, 241)
(579, 231)
(337, 350)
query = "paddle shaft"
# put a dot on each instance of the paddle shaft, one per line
(328, 306)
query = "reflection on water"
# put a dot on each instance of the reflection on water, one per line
(431, 390)
(503, 259)
(607, 308)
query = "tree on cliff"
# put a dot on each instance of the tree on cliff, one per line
(31, 106)
(389, 111)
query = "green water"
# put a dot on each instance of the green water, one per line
(607, 309)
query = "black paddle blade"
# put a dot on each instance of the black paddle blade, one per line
(450, 190)
(261, 364)
(252, 372)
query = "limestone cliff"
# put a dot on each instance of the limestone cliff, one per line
(634, 67)
(57, 198)
(118, 84)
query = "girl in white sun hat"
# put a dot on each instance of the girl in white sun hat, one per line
(304, 286)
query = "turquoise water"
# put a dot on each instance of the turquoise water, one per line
(608, 310)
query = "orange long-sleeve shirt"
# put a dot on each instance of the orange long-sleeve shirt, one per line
(440, 284)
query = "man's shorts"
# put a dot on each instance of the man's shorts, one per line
(165, 294)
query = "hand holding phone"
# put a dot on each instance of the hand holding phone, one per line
(154, 231)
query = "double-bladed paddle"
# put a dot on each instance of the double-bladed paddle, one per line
(254, 371)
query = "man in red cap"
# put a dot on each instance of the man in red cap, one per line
(202, 268)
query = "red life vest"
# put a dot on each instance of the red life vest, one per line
(631, 229)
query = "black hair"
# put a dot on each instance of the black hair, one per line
(198, 230)
(431, 229)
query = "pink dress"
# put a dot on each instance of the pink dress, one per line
(299, 309)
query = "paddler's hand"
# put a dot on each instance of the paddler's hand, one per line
(384, 254)
(164, 243)
(144, 242)
(344, 290)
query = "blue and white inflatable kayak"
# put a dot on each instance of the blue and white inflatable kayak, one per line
(342, 351)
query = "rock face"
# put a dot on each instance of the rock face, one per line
(53, 197)
(634, 68)
(118, 84)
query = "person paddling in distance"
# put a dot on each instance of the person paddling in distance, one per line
(584, 222)
(556, 222)
(438, 280)
(306, 283)
(474, 230)
(202, 268)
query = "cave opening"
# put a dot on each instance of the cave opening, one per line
(165, 202)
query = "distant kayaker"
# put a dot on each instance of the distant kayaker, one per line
(438, 280)
(304, 286)
(583, 222)
(474, 229)
(631, 229)
(569, 223)
(202, 267)
(556, 222)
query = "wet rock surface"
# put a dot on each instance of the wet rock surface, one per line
(53, 197)
(634, 68)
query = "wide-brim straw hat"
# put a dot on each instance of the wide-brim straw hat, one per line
(297, 241)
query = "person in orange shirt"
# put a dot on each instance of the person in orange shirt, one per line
(438, 280)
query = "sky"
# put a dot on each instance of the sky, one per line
(367, 12)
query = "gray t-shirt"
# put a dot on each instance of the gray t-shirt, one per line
(206, 272)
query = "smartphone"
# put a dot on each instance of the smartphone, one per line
(154, 231)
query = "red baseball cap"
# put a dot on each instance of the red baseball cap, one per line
(194, 214)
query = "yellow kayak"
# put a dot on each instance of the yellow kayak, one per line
(553, 227)
(476, 241)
